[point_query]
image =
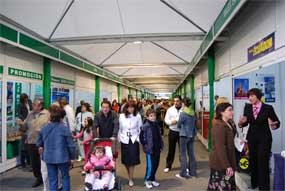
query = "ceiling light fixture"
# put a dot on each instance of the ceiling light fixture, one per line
(137, 42)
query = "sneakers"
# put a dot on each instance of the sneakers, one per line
(166, 170)
(79, 159)
(182, 177)
(131, 183)
(148, 184)
(155, 184)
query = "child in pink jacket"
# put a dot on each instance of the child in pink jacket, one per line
(86, 133)
(99, 158)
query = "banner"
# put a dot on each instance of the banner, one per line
(261, 48)
(24, 73)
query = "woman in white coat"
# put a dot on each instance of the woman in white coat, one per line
(130, 123)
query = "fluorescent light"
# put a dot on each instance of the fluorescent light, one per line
(137, 42)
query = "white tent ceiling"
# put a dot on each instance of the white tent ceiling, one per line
(104, 31)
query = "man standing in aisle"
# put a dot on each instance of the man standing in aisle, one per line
(34, 122)
(171, 118)
(69, 119)
(106, 124)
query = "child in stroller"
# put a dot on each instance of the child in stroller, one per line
(100, 167)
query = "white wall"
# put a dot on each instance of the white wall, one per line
(257, 20)
(17, 58)
(124, 92)
(62, 71)
(84, 88)
(109, 89)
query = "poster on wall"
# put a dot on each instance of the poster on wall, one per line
(36, 91)
(0, 105)
(269, 89)
(106, 95)
(58, 93)
(86, 96)
(266, 83)
(241, 87)
(10, 108)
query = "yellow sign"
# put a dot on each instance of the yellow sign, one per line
(261, 48)
(243, 163)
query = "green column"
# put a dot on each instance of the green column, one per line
(211, 75)
(97, 93)
(192, 91)
(119, 92)
(185, 91)
(129, 90)
(47, 82)
(136, 94)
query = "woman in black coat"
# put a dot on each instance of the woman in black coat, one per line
(24, 108)
(260, 117)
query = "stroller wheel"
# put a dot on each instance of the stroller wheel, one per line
(88, 187)
(118, 185)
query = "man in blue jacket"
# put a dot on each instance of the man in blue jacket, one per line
(186, 124)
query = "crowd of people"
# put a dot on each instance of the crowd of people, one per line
(53, 139)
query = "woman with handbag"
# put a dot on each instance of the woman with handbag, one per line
(222, 158)
(56, 145)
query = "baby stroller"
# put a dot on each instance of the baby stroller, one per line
(115, 183)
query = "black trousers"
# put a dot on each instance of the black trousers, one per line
(173, 139)
(24, 154)
(152, 163)
(259, 156)
(35, 161)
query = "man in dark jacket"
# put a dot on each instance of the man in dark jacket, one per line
(150, 138)
(106, 124)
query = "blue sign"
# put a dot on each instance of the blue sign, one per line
(261, 48)
(269, 89)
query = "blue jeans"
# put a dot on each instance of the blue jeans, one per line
(53, 176)
(187, 145)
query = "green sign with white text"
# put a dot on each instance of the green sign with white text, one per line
(62, 81)
(24, 74)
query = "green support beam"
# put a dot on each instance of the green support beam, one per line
(119, 92)
(97, 93)
(192, 91)
(47, 82)
(136, 94)
(211, 74)
(185, 91)
(130, 92)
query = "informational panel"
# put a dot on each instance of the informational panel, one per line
(0, 121)
(86, 96)
(60, 92)
(14, 91)
(105, 94)
(267, 80)
(220, 87)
